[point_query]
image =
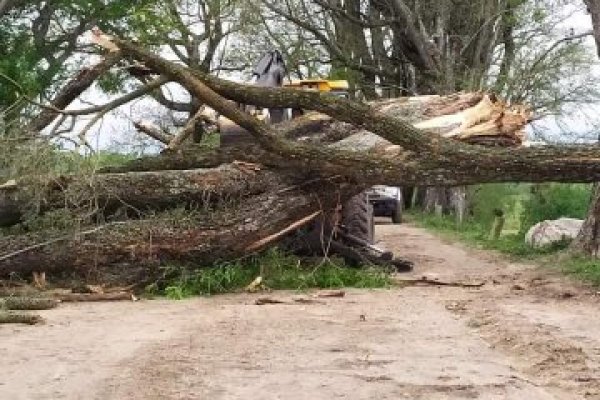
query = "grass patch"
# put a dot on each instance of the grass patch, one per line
(476, 234)
(278, 269)
(583, 268)
(513, 245)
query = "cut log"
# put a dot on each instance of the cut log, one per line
(95, 297)
(27, 303)
(261, 301)
(7, 317)
(330, 293)
(476, 118)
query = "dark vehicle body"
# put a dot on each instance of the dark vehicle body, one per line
(387, 202)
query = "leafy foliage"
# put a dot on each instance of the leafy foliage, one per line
(489, 197)
(552, 201)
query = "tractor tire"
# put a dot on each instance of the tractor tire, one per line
(397, 214)
(357, 217)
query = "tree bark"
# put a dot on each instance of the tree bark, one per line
(72, 90)
(136, 251)
(137, 192)
(588, 239)
(594, 10)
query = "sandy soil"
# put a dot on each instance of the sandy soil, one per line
(526, 334)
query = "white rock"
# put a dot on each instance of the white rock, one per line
(552, 231)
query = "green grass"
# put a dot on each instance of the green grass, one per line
(278, 269)
(476, 234)
(512, 245)
(586, 269)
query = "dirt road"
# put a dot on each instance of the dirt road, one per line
(526, 334)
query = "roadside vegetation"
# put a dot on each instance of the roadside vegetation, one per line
(278, 270)
(523, 206)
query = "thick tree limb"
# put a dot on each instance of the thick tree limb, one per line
(153, 132)
(139, 92)
(187, 131)
(142, 191)
(72, 90)
(430, 151)
(132, 251)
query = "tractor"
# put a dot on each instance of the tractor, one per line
(354, 237)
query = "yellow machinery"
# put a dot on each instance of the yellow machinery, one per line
(321, 85)
(335, 87)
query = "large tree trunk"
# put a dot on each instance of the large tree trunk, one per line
(594, 10)
(588, 239)
(138, 192)
(72, 90)
(135, 251)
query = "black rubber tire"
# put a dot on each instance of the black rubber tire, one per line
(397, 214)
(357, 217)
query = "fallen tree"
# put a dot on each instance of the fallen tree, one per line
(137, 250)
(245, 199)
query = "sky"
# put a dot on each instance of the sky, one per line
(582, 122)
(115, 131)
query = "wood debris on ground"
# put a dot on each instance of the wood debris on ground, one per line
(27, 303)
(268, 300)
(425, 280)
(45, 300)
(301, 299)
(10, 305)
(10, 317)
(94, 297)
(255, 286)
(330, 293)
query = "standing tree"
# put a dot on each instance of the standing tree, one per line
(588, 239)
